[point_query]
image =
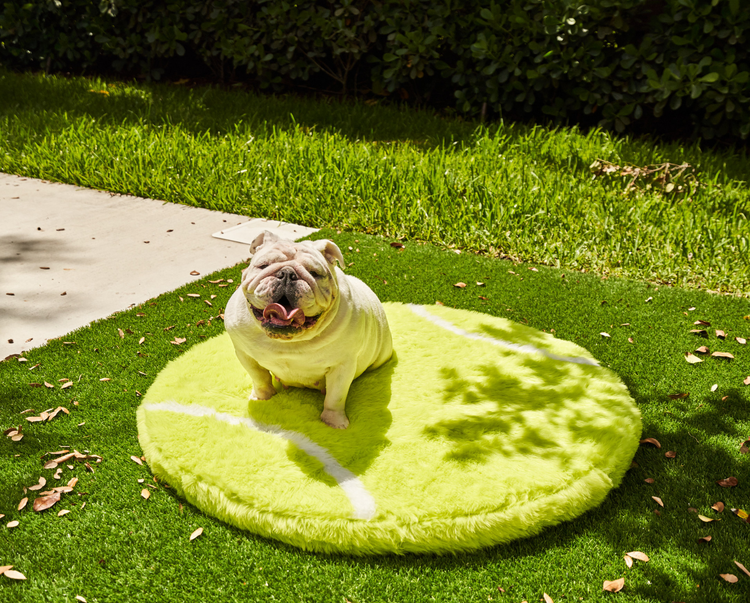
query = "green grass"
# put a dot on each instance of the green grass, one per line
(120, 547)
(513, 191)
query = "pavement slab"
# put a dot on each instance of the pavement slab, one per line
(70, 255)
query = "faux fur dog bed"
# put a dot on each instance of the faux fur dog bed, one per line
(477, 432)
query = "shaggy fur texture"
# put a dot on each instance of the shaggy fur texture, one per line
(459, 441)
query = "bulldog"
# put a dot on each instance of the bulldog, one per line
(297, 316)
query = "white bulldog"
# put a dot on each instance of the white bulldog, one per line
(298, 316)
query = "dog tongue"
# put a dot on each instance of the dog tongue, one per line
(279, 317)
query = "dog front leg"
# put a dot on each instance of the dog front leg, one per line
(338, 382)
(262, 382)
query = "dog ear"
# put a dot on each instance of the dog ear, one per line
(265, 237)
(330, 251)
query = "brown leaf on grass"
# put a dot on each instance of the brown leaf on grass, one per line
(460, 285)
(49, 385)
(700, 332)
(146, 493)
(45, 502)
(747, 380)
(105, 379)
(702, 350)
(744, 448)
(731, 578)
(80, 598)
(718, 506)
(740, 340)
(649, 480)
(14, 575)
(12, 524)
(705, 519)
(63, 512)
(193, 295)
(195, 534)
(222, 280)
(658, 501)
(681, 396)
(692, 359)
(34, 419)
(704, 539)
(141, 340)
(726, 355)
(613, 586)
(729, 482)
(67, 384)
(5, 568)
(702, 323)
(628, 561)
(39, 485)
(136, 460)
(742, 567)
(630, 340)
(638, 555)
(670, 454)
(121, 333)
(720, 334)
(652, 441)
(178, 340)
(603, 334)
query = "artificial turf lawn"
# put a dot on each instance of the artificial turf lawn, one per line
(508, 190)
(121, 547)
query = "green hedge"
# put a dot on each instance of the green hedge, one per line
(613, 62)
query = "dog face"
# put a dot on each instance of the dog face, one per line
(290, 286)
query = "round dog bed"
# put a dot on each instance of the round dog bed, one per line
(478, 431)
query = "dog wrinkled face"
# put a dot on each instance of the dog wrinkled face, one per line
(290, 286)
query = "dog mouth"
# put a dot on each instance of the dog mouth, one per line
(282, 317)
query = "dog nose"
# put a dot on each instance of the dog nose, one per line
(287, 273)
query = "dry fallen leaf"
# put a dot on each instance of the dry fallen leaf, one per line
(194, 273)
(460, 285)
(726, 355)
(141, 340)
(649, 480)
(729, 482)
(146, 493)
(547, 598)
(745, 447)
(178, 340)
(720, 334)
(39, 485)
(718, 506)
(705, 519)
(702, 350)
(105, 379)
(740, 340)
(603, 334)
(14, 575)
(614, 586)
(658, 501)
(5, 568)
(136, 460)
(747, 380)
(638, 555)
(704, 539)
(45, 502)
(195, 534)
(731, 578)
(80, 598)
(63, 512)
(692, 359)
(121, 333)
(628, 561)
(742, 567)
(23, 502)
(703, 323)
(653, 441)
(700, 332)
(670, 454)
(681, 396)
(12, 524)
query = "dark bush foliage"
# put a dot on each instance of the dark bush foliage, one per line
(618, 63)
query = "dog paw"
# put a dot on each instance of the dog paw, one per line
(262, 394)
(335, 419)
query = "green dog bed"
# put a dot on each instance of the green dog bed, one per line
(478, 431)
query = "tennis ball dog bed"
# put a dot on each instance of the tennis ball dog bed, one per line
(478, 431)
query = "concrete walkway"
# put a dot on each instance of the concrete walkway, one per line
(69, 256)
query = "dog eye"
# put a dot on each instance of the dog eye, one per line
(315, 274)
(262, 266)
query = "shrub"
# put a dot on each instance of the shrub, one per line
(617, 63)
